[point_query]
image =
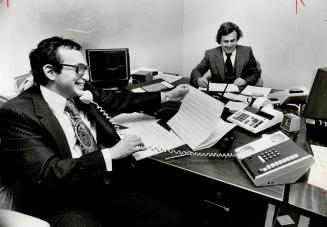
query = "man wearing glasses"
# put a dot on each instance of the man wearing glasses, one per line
(63, 158)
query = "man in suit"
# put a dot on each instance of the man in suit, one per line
(228, 63)
(64, 158)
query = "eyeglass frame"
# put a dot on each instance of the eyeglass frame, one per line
(86, 68)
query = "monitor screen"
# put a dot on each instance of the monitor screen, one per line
(109, 67)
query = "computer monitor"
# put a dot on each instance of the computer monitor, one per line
(110, 68)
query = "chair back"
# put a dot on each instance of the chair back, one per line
(6, 194)
(260, 80)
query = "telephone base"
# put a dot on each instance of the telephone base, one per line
(274, 159)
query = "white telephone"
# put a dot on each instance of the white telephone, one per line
(273, 159)
(261, 115)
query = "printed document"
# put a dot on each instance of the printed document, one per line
(198, 121)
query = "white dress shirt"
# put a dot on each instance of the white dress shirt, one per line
(57, 104)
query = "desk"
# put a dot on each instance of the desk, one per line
(225, 176)
(307, 199)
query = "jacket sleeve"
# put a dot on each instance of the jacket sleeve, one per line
(251, 72)
(34, 155)
(200, 70)
(125, 101)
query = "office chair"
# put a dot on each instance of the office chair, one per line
(260, 81)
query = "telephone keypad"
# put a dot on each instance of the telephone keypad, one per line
(276, 163)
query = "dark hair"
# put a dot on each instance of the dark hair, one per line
(227, 28)
(47, 53)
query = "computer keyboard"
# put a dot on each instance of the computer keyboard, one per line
(154, 87)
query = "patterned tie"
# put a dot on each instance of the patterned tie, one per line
(82, 132)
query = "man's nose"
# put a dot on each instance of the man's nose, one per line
(86, 75)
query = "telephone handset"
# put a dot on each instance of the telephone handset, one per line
(87, 98)
(102, 119)
(257, 117)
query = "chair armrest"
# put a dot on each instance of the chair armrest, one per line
(9, 218)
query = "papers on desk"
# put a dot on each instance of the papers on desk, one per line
(168, 77)
(221, 87)
(133, 119)
(155, 137)
(318, 171)
(256, 91)
(198, 121)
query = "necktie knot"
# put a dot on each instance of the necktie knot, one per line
(71, 108)
(228, 55)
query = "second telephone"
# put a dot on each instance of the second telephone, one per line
(273, 159)
(257, 117)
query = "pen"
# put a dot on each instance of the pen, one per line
(177, 157)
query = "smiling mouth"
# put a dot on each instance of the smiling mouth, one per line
(80, 84)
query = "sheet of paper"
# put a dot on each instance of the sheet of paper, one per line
(155, 138)
(236, 97)
(235, 106)
(197, 118)
(133, 119)
(138, 90)
(256, 91)
(220, 87)
(318, 171)
(168, 77)
(222, 128)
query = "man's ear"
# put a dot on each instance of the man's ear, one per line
(49, 72)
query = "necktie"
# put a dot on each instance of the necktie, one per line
(229, 66)
(82, 132)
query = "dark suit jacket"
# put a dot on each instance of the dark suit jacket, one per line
(44, 176)
(245, 66)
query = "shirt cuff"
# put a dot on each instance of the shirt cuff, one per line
(107, 158)
(164, 97)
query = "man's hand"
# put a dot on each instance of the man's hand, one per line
(202, 82)
(177, 94)
(128, 145)
(239, 82)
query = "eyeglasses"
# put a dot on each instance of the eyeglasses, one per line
(80, 68)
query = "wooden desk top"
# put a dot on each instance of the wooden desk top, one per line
(303, 195)
(226, 171)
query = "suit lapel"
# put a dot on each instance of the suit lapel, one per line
(51, 123)
(220, 64)
(239, 61)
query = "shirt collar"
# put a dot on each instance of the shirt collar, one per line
(55, 101)
(233, 53)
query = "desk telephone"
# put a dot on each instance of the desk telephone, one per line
(257, 117)
(87, 98)
(273, 159)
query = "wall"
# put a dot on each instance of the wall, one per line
(151, 29)
(171, 35)
(288, 45)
